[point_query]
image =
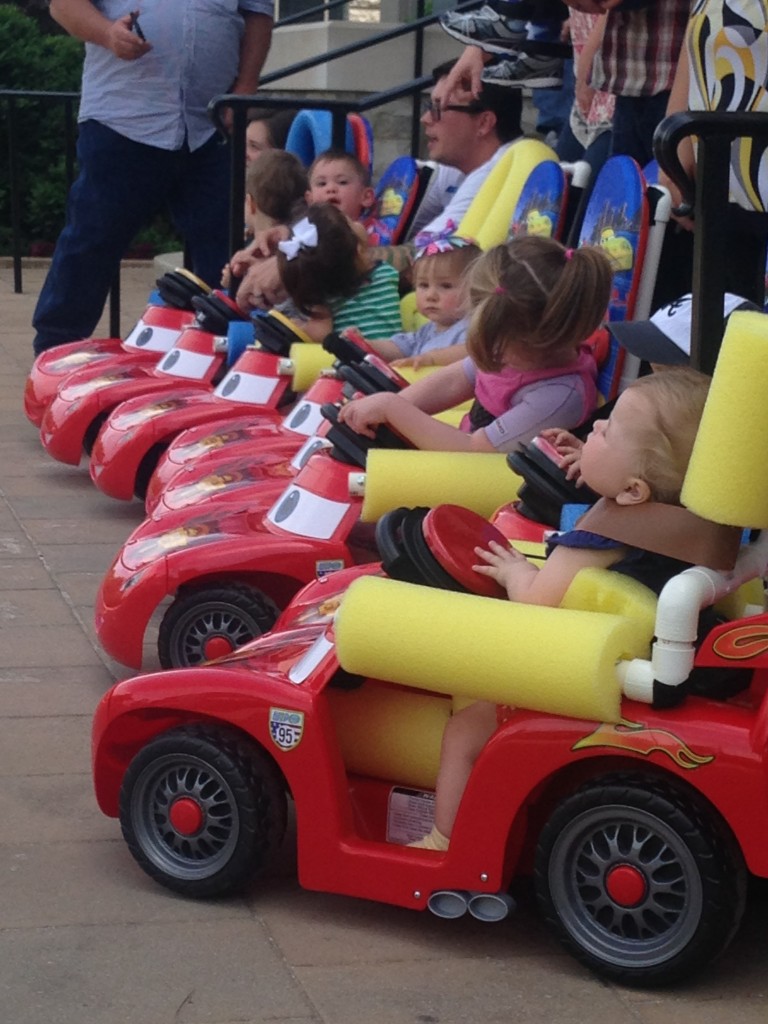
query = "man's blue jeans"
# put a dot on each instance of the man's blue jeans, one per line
(634, 121)
(120, 187)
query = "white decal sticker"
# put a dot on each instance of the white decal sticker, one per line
(246, 387)
(410, 815)
(181, 363)
(305, 514)
(152, 339)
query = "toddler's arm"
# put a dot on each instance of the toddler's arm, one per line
(435, 357)
(524, 582)
(409, 413)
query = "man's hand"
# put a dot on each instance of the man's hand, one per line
(593, 6)
(123, 41)
(261, 287)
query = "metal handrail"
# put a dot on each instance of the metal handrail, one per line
(706, 196)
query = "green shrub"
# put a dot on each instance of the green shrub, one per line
(31, 60)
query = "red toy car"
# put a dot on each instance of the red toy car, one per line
(73, 419)
(138, 430)
(640, 833)
(155, 333)
(232, 566)
(221, 463)
(229, 464)
(259, 381)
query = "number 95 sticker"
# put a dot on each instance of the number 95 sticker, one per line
(286, 727)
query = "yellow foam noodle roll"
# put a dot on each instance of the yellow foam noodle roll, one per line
(490, 212)
(546, 659)
(308, 361)
(726, 481)
(390, 733)
(476, 480)
(600, 590)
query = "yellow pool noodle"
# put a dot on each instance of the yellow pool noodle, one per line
(727, 480)
(546, 659)
(308, 362)
(490, 212)
(390, 733)
(476, 480)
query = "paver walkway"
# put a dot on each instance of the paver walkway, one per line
(86, 938)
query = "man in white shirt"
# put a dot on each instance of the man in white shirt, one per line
(469, 133)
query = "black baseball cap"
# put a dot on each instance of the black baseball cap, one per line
(666, 337)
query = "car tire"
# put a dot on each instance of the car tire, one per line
(146, 468)
(209, 621)
(639, 880)
(202, 810)
(92, 431)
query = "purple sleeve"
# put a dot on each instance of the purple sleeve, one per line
(558, 402)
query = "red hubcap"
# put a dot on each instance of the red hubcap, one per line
(625, 885)
(186, 816)
(217, 647)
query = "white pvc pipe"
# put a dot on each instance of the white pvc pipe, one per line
(677, 616)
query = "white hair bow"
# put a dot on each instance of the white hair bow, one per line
(304, 236)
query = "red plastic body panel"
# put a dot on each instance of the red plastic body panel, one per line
(136, 425)
(154, 333)
(508, 520)
(293, 535)
(83, 398)
(717, 749)
(202, 450)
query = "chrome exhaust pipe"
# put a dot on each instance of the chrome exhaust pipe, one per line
(448, 903)
(490, 906)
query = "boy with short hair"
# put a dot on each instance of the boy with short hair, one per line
(339, 178)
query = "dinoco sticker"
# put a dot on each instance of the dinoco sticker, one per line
(286, 727)
(639, 739)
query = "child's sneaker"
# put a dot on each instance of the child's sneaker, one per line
(526, 71)
(486, 29)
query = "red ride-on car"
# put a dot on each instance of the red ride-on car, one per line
(138, 430)
(230, 463)
(640, 831)
(73, 419)
(206, 463)
(155, 333)
(230, 567)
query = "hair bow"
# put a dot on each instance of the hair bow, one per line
(303, 236)
(430, 243)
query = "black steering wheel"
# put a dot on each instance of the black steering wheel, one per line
(275, 334)
(177, 288)
(545, 489)
(351, 447)
(215, 312)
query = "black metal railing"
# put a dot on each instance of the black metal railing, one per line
(707, 198)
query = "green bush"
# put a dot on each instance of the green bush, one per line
(33, 60)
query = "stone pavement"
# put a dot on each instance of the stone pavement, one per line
(87, 938)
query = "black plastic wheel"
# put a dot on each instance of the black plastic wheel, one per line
(639, 882)
(92, 431)
(146, 468)
(209, 621)
(202, 810)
